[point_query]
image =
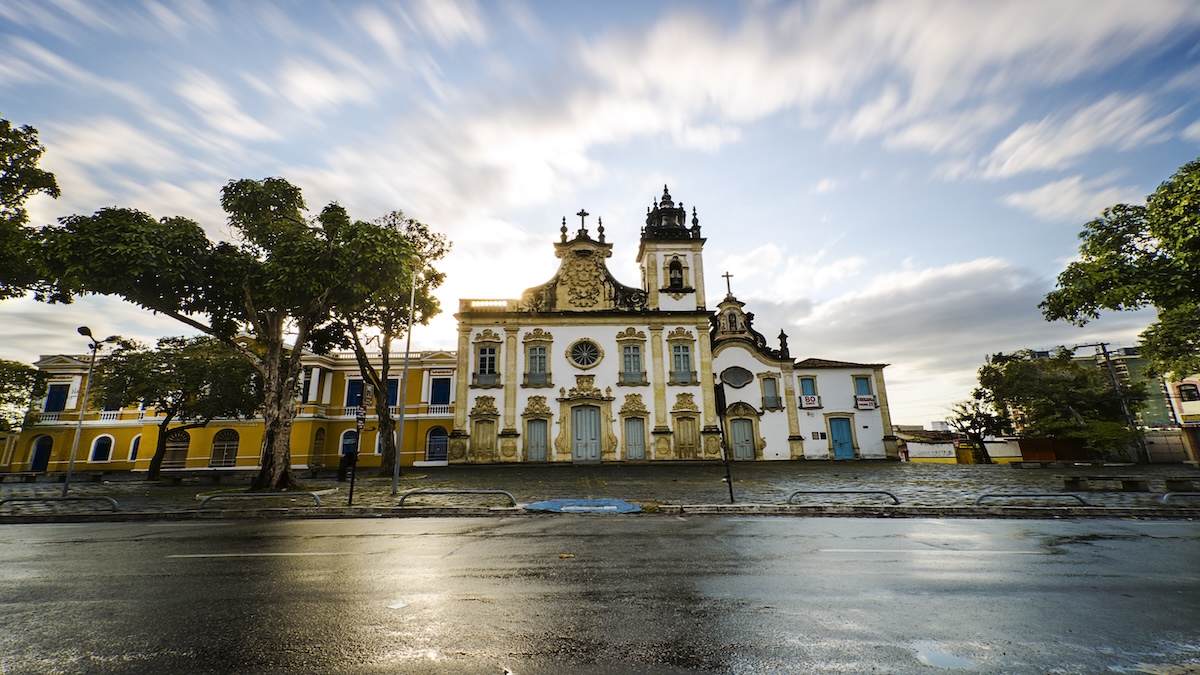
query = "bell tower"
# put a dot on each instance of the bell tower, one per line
(670, 255)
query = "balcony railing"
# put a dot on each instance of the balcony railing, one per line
(441, 409)
(683, 377)
(537, 379)
(772, 402)
(486, 379)
(632, 378)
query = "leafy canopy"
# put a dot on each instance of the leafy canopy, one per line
(1060, 397)
(20, 384)
(1136, 256)
(20, 179)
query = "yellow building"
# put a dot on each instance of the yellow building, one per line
(324, 428)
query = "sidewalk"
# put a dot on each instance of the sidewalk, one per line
(759, 488)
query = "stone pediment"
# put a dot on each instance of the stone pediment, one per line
(583, 282)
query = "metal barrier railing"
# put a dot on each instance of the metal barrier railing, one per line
(244, 495)
(109, 500)
(792, 496)
(1166, 498)
(1043, 495)
(410, 493)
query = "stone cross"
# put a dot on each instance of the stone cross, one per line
(728, 276)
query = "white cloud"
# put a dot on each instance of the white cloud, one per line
(449, 21)
(1073, 199)
(313, 87)
(218, 109)
(1192, 133)
(1053, 143)
(823, 186)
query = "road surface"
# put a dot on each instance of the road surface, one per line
(601, 594)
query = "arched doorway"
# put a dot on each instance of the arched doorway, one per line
(178, 442)
(224, 449)
(436, 444)
(39, 460)
(585, 432)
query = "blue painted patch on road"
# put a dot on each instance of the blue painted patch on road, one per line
(584, 506)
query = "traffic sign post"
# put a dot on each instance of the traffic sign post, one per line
(360, 421)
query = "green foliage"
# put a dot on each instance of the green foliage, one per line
(280, 282)
(187, 379)
(977, 419)
(385, 312)
(1143, 256)
(20, 385)
(20, 179)
(1058, 397)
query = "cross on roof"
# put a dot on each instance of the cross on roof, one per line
(728, 276)
(582, 214)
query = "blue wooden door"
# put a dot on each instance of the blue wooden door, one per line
(635, 438)
(585, 429)
(41, 454)
(743, 439)
(535, 441)
(843, 440)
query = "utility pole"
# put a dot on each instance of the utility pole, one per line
(1102, 349)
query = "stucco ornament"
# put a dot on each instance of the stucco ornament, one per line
(485, 405)
(537, 406)
(633, 404)
(584, 279)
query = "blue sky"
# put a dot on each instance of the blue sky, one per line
(895, 182)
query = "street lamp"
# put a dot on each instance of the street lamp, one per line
(87, 386)
(414, 262)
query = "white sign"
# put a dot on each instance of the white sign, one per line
(810, 401)
(864, 402)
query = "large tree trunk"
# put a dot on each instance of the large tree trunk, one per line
(160, 448)
(279, 409)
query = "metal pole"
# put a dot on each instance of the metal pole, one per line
(1129, 418)
(412, 301)
(359, 424)
(87, 386)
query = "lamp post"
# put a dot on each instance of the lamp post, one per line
(412, 309)
(87, 386)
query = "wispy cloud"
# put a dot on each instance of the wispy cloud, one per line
(1074, 199)
(1116, 121)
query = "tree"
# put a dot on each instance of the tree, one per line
(190, 380)
(278, 283)
(20, 384)
(977, 418)
(20, 179)
(1058, 397)
(1136, 256)
(386, 315)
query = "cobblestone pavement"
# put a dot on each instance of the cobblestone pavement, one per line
(914, 485)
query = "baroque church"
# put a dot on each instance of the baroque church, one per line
(586, 369)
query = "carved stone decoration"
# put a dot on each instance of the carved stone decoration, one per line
(485, 405)
(631, 333)
(680, 333)
(508, 449)
(458, 450)
(538, 335)
(712, 446)
(585, 387)
(537, 406)
(583, 278)
(633, 404)
(685, 403)
(488, 335)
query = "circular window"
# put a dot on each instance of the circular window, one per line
(585, 353)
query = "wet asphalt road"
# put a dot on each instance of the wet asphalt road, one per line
(601, 594)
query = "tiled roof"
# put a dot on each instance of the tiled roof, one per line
(826, 363)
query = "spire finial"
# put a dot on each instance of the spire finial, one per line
(564, 230)
(600, 228)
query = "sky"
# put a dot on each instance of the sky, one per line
(893, 182)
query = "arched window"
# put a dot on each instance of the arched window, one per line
(675, 270)
(178, 442)
(102, 449)
(436, 443)
(224, 448)
(349, 442)
(133, 447)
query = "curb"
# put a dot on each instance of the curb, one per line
(777, 510)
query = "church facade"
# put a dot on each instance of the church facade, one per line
(586, 369)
